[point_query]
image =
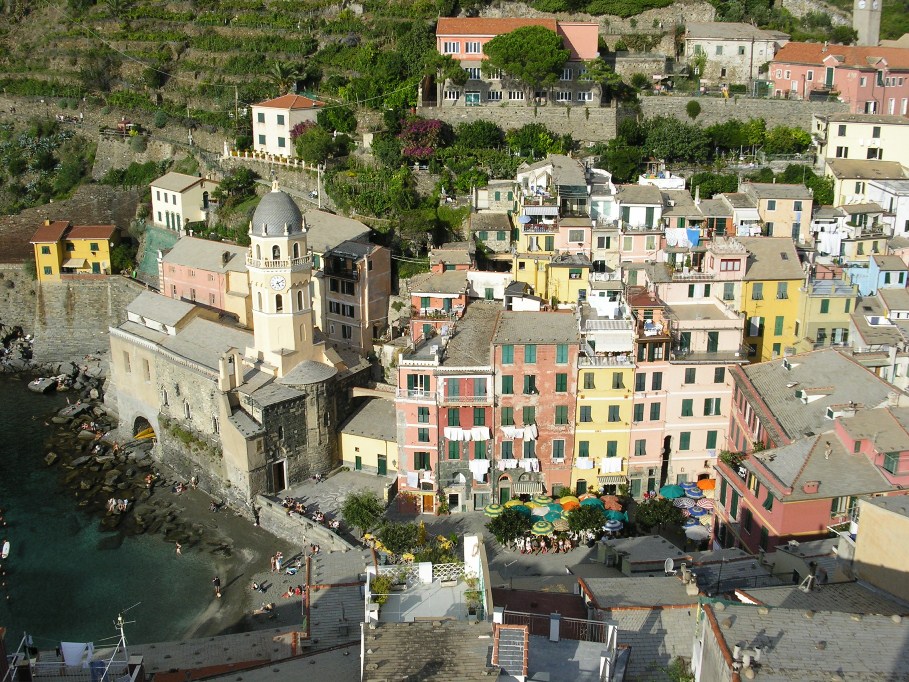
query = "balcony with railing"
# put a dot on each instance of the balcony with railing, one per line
(484, 399)
(341, 272)
(415, 394)
(418, 313)
(539, 228)
(270, 264)
(652, 330)
(607, 360)
(684, 355)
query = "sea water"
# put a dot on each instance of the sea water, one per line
(62, 583)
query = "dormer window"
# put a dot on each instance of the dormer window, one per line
(829, 414)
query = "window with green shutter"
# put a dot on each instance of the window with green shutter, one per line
(719, 375)
(618, 380)
(423, 435)
(507, 384)
(454, 388)
(529, 415)
(558, 449)
(561, 381)
(640, 447)
(530, 353)
(612, 448)
(654, 412)
(562, 353)
(639, 412)
(454, 416)
(640, 382)
(613, 415)
(723, 492)
(420, 460)
(589, 380)
(424, 301)
(508, 354)
(734, 505)
(825, 305)
(586, 413)
(454, 449)
(765, 537)
(530, 384)
(507, 416)
(479, 416)
(530, 449)
(711, 440)
(685, 440)
(768, 501)
(583, 448)
(423, 415)
(688, 407)
(561, 415)
(778, 325)
(507, 449)
(479, 449)
(690, 373)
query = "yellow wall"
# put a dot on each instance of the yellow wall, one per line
(563, 287)
(769, 308)
(535, 272)
(50, 260)
(599, 432)
(812, 318)
(82, 249)
(368, 449)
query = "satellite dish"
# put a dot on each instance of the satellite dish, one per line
(669, 566)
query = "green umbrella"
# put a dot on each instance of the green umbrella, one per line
(541, 528)
(613, 515)
(555, 506)
(493, 510)
(552, 516)
(592, 502)
(522, 509)
(670, 492)
(542, 499)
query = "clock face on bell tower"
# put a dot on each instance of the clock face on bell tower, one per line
(278, 283)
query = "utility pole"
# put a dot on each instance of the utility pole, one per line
(319, 168)
(236, 109)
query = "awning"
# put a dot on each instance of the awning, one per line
(526, 487)
(541, 210)
(610, 480)
(75, 263)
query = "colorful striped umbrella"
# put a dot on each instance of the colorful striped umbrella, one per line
(560, 525)
(541, 528)
(689, 522)
(540, 511)
(513, 503)
(568, 498)
(707, 483)
(705, 503)
(683, 502)
(697, 511)
(685, 512)
(695, 493)
(688, 485)
(542, 499)
(613, 526)
(493, 510)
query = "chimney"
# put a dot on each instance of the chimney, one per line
(225, 256)
(825, 47)
(827, 450)
(46, 222)
(697, 195)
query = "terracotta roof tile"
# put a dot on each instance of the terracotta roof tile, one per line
(50, 233)
(483, 26)
(92, 232)
(849, 55)
(291, 102)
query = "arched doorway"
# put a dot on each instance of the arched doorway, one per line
(142, 429)
(504, 489)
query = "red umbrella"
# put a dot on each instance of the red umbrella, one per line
(611, 502)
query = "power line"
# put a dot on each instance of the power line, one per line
(176, 77)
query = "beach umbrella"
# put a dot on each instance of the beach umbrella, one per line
(560, 525)
(707, 483)
(695, 493)
(542, 499)
(540, 511)
(552, 517)
(707, 520)
(690, 522)
(697, 532)
(513, 503)
(522, 509)
(697, 511)
(541, 528)
(613, 526)
(585, 496)
(531, 504)
(614, 515)
(705, 504)
(493, 510)
(683, 502)
(592, 502)
(685, 512)
(672, 491)
(524, 219)
(555, 506)
(709, 494)
(568, 498)
(571, 504)
(688, 485)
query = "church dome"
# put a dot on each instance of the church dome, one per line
(275, 213)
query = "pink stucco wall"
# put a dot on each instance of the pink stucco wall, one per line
(180, 281)
(847, 81)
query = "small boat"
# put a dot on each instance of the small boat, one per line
(145, 434)
(5, 551)
(42, 385)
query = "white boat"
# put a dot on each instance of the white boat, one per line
(5, 552)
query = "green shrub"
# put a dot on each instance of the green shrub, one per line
(138, 144)
(160, 119)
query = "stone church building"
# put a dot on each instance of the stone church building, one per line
(247, 411)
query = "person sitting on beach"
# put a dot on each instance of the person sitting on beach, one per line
(214, 506)
(180, 488)
(123, 505)
(334, 524)
(111, 504)
(257, 587)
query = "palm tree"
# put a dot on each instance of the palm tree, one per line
(284, 75)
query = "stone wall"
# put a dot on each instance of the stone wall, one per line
(587, 124)
(69, 320)
(296, 529)
(717, 109)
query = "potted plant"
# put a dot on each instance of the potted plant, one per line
(472, 595)
(399, 580)
(380, 586)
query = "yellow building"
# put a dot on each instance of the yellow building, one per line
(771, 296)
(568, 278)
(369, 439)
(602, 423)
(62, 250)
(827, 307)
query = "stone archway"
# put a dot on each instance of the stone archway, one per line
(142, 429)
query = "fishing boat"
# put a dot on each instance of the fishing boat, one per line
(5, 551)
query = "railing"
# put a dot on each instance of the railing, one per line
(343, 273)
(447, 571)
(540, 229)
(539, 200)
(656, 330)
(569, 628)
(466, 399)
(682, 276)
(739, 354)
(268, 264)
(605, 277)
(433, 313)
(416, 394)
(626, 360)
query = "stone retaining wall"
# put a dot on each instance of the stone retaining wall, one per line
(775, 112)
(586, 124)
(297, 529)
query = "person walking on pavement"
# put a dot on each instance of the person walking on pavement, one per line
(217, 583)
(179, 548)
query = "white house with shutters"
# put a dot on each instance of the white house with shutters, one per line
(178, 199)
(273, 120)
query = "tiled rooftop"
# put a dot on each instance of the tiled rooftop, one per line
(376, 419)
(534, 327)
(620, 593)
(470, 346)
(851, 597)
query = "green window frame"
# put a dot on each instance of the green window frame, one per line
(454, 416)
(688, 407)
(891, 462)
(734, 505)
(507, 416)
(778, 325)
(530, 353)
(719, 375)
(612, 448)
(561, 383)
(479, 416)
(454, 449)
(454, 388)
(530, 449)
(583, 448)
(562, 354)
(530, 384)
(424, 301)
(655, 410)
(507, 384)
(782, 290)
(48, 270)
(561, 415)
(508, 354)
(656, 381)
(423, 415)
(638, 412)
(640, 382)
(613, 414)
(723, 485)
(757, 291)
(711, 440)
(765, 538)
(848, 305)
(507, 451)
(825, 306)
(420, 460)
(586, 413)
(640, 447)
(558, 449)
(768, 501)
(690, 374)
(618, 381)
(528, 415)
(423, 435)
(589, 380)
(479, 449)
(684, 441)
(45, 250)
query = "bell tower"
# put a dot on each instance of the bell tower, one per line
(280, 270)
(866, 20)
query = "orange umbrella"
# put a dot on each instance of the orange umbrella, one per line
(570, 504)
(586, 496)
(707, 483)
(611, 502)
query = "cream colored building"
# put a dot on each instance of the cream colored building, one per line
(369, 440)
(881, 548)
(860, 136)
(178, 199)
(851, 178)
(735, 52)
(274, 119)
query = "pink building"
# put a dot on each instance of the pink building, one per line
(463, 38)
(872, 80)
(206, 272)
(437, 301)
